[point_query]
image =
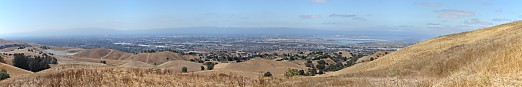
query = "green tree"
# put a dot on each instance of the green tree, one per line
(291, 72)
(184, 69)
(320, 66)
(267, 74)
(312, 72)
(21, 61)
(4, 74)
(2, 60)
(321, 72)
(210, 65)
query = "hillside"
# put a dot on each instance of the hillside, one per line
(256, 67)
(96, 76)
(176, 65)
(137, 64)
(159, 57)
(151, 58)
(14, 71)
(94, 53)
(371, 57)
(485, 57)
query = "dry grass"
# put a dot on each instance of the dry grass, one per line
(256, 67)
(151, 58)
(489, 57)
(96, 76)
(14, 71)
(486, 57)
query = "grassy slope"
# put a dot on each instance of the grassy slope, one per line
(485, 57)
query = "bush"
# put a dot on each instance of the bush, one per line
(321, 72)
(202, 68)
(210, 65)
(267, 74)
(312, 72)
(2, 60)
(291, 72)
(104, 62)
(184, 69)
(320, 66)
(302, 72)
(3, 74)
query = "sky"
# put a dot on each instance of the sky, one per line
(425, 16)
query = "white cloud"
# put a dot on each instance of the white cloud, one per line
(342, 15)
(319, 1)
(360, 19)
(310, 16)
(501, 19)
(454, 14)
(432, 24)
(477, 21)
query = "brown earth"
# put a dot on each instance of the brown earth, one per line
(100, 76)
(487, 57)
(14, 71)
(256, 67)
(151, 58)
(374, 56)
(176, 65)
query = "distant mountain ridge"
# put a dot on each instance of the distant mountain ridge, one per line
(200, 31)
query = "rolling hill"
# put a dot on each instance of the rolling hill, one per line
(151, 58)
(486, 57)
(256, 67)
(489, 57)
(14, 71)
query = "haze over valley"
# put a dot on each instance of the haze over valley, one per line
(260, 43)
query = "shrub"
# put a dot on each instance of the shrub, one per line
(320, 66)
(321, 72)
(202, 68)
(302, 72)
(3, 74)
(321, 62)
(312, 72)
(2, 60)
(104, 62)
(291, 72)
(210, 65)
(184, 69)
(267, 74)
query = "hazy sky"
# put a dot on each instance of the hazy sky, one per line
(430, 16)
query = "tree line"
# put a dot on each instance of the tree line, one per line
(34, 64)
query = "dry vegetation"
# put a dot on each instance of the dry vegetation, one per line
(487, 57)
(256, 67)
(14, 71)
(96, 76)
(151, 58)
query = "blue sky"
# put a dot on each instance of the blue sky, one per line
(425, 16)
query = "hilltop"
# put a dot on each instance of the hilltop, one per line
(485, 57)
(256, 67)
(151, 58)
